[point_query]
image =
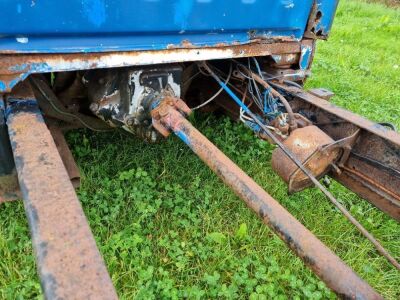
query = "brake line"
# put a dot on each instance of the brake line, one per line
(289, 154)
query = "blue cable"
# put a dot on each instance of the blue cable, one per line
(230, 93)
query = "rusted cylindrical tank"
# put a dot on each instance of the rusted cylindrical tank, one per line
(306, 144)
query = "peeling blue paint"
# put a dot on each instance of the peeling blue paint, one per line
(305, 57)
(16, 80)
(277, 58)
(3, 86)
(32, 68)
(18, 68)
(183, 137)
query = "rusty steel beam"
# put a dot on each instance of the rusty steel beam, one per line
(372, 169)
(343, 114)
(16, 67)
(371, 191)
(69, 263)
(65, 154)
(373, 172)
(168, 116)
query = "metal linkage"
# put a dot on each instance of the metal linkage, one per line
(331, 198)
(69, 263)
(169, 115)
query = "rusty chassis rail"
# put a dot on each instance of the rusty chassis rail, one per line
(170, 114)
(16, 67)
(69, 263)
(372, 169)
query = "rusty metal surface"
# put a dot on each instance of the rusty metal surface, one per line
(53, 108)
(331, 269)
(305, 170)
(373, 166)
(69, 263)
(9, 189)
(66, 155)
(373, 172)
(370, 191)
(322, 93)
(306, 144)
(16, 67)
(344, 114)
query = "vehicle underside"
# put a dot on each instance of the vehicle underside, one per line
(150, 93)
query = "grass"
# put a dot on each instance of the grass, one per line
(168, 228)
(390, 3)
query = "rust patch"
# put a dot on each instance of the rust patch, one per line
(372, 167)
(9, 188)
(330, 268)
(66, 155)
(307, 145)
(69, 264)
(22, 63)
(370, 191)
(16, 67)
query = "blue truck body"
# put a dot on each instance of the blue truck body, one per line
(64, 28)
(50, 26)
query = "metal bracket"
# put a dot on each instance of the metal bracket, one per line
(161, 114)
(346, 144)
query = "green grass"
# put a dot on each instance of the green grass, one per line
(391, 3)
(168, 228)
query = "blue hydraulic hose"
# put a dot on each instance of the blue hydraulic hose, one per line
(308, 173)
(228, 90)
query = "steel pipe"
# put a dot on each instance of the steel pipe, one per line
(319, 258)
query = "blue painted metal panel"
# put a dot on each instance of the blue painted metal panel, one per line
(102, 25)
(328, 10)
